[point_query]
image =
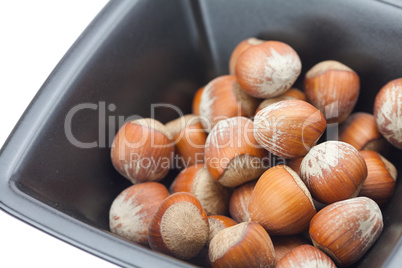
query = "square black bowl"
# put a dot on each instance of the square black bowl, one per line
(55, 170)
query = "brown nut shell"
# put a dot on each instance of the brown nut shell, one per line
(267, 102)
(345, 230)
(388, 112)
(142, 150)
(333, 88)
(360, 131)
(295, 93)
(232, 154)
(246, 244)
(133, 208)
(267, 70)
(285, 243)
(196, 101)
(239, 49)
(223, 98)
(295, 164)
(189, 138)
(239, 201)
(179, 226)
(381, 177)
(281, 202)
(333, 171)
(306, 256)
(289, 128)
(196, 180)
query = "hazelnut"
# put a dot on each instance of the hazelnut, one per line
(232, 155)
(133, 208)
(360, 131)
(196, 101)
(239, 49)
(333, 171)
(289, 128)
(217, 223)
(196, 180)
(267, 102)
(281, 202)
(291, 94)
(246, 244)
(345, 230)
(189, 138)
(381, 176)
(239, 201)
(223, 98)
(295, 164)
(267, 70)
(286, 243)
(388, 112)
(306, 256)
(333, 88)
(179, 226)
(295, 93)
(142, 150)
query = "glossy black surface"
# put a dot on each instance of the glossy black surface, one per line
(138, 53)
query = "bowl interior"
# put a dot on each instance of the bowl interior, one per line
(161, 52)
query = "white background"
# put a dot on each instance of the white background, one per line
(35, 34)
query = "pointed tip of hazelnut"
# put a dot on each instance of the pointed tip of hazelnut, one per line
(296, 93)
(325, 66)
(239, 49)
(175, 126)
(153, 124)
(254, 41)
(267, 102)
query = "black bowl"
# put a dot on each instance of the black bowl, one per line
(55, 169)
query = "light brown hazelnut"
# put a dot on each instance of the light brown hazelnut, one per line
(333, 88)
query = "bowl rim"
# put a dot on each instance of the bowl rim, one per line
(13, 201)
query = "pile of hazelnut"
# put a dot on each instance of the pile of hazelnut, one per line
(318, 207)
